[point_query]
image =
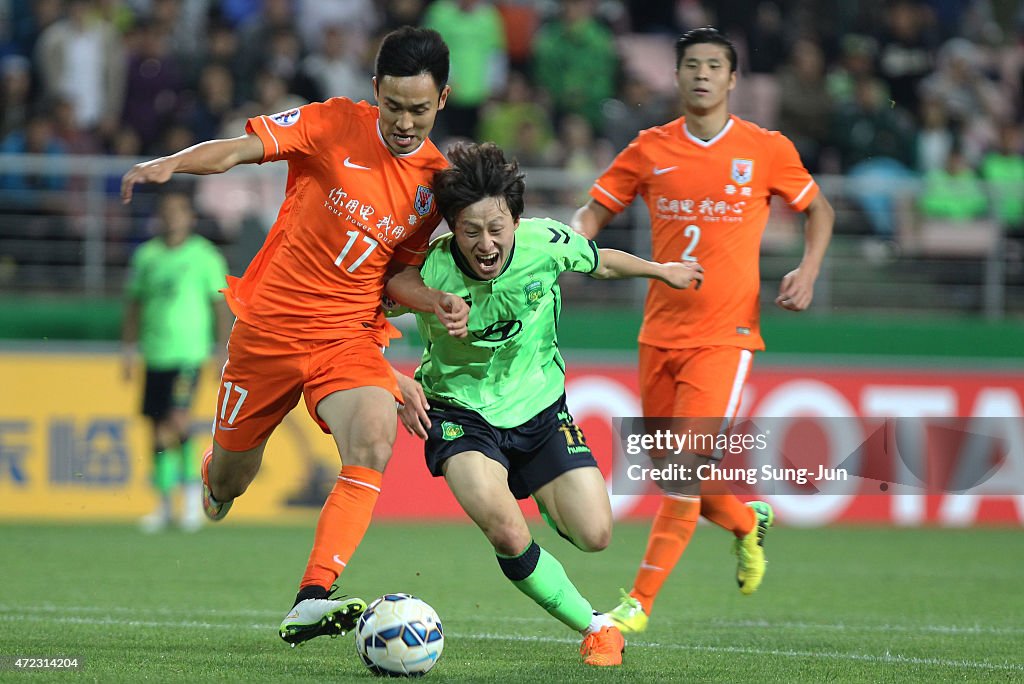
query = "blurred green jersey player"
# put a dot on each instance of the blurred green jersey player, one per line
(174, 314)
(491, 406)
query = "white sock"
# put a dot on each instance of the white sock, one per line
(598, 621)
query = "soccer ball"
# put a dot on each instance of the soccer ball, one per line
(398, 635)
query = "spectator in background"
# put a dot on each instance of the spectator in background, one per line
(906, 54)
(29, 189)
(804, 101)
(173, 315)
(73, 137)
(576, 62)
(581, 154)
(935, 137)
(214, 101)
(766, 39)
(972, 99)
(154, 84)
(283, 58)
(338, 67)
(15, 93)
(871, 127)
(255, 35)
(38, 198)
(184, 23)
(30, 21)
(402, 13)
(81, 58)
(856, 62)
(875, 141)
(473, 30)
(637, 107)
(504, 119)
(953, 192)
(360, 16)
(271, 96)
(1003, 169)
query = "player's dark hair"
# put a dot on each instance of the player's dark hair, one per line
(478, 172)
(705, 35)
(410, 51)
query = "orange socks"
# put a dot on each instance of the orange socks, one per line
(725, 510)
(343, 521)
(670, 533)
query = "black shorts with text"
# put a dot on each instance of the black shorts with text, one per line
(534, 453)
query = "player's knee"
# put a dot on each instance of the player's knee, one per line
(374, 455)
(594, 538)
(507, 537)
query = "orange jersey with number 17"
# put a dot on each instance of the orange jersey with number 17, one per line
(708, 202)
(351, 207)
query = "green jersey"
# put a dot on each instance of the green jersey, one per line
(508, 369)
(176, 288)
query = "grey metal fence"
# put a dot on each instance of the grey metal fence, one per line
(63, 229)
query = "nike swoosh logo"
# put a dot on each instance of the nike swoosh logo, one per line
(221, 427)
(647, 566)
(338, 560)
(352, 165)
(658, 172)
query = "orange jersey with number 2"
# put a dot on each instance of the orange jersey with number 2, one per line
(709, 202)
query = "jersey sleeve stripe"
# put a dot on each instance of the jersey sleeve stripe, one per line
(796, 200)
(597, 255)
(277, 146)
(610, 196)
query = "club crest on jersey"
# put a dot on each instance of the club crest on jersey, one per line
(285, 118)
(424, 200)
(742, 170)
(451, 431)
(533, 291)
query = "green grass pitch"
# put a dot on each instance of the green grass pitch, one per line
(837, 604)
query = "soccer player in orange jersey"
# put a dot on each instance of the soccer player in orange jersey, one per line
(357, 215)
(707, 179)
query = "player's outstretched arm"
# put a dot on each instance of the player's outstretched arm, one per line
(212, 156)
(797, 288)
(407, 288)
(590, 219)
(615, 264)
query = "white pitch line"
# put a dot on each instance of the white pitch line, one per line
(723, 624)
(888, 658)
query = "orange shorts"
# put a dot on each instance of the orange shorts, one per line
(704, 382)
(266, 373)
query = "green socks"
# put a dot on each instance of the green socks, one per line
(539, 575)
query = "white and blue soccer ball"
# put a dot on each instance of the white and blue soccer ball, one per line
(398, 635)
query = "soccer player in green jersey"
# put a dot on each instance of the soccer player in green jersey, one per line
(173, 313)
(497, 427)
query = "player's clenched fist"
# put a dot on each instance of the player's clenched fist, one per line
(453, 312)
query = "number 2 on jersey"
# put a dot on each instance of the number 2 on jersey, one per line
(693, 232)
(352, 235)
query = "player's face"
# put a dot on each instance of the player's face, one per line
(704, 77)
(408, 107)
(485, 233)
(177, 217)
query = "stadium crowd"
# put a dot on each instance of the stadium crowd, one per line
(883, 90)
